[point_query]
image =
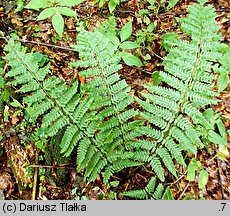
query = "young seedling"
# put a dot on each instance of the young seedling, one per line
(54, 9)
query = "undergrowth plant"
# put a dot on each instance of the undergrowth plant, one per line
(54, 9)
(97, 116)
(112, 4)
(123, 46)
(95, 119)
(174, 108)
(165, 4)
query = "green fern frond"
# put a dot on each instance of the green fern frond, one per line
(48, 96)
(187, 86)
(112, 126)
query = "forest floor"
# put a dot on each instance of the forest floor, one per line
(25, 25)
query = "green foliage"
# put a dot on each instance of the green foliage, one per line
(219, 135)
(20, 5)
(54, 9)
(109, 29)
(112, 4)
(96, 119)
(4, 92)
(161, 5)
(110, 101)
(223, 80)
(186, 87)
(202, 179)
(145, 38)
(168, 39)
(151, 192)
(193, 166)
(97, 116)
(126, 31)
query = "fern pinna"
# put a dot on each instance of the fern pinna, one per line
(151, 191)
(173, 109)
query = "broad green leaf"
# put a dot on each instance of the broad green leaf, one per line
(151, 7)
(2, 82)
(37, 4)
(168, 194)
(146, 20)
(15, 103)
(224, 60)
(157, 78)
(222, 129)
(130, 59)
(20, 6)
(66, 11)
(114, 183)
(58, 23)
(223, 82)
(193, 166)
(151, 26)
(70, 2)
(112, 5)
(143, 12)
(129, 45)
(202, 179)
(126, 31)
(101, 3)
(48, 12)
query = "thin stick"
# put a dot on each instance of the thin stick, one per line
(157, 56)
(211, 158)
(179, 178)
(48, 45)
(51, 167)
(35, 179)
(182, 194)
(221, 184)
(42, 44)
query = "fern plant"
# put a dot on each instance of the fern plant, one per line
(97, 116)
(114, 125)
(174, 108)
(96, 119)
